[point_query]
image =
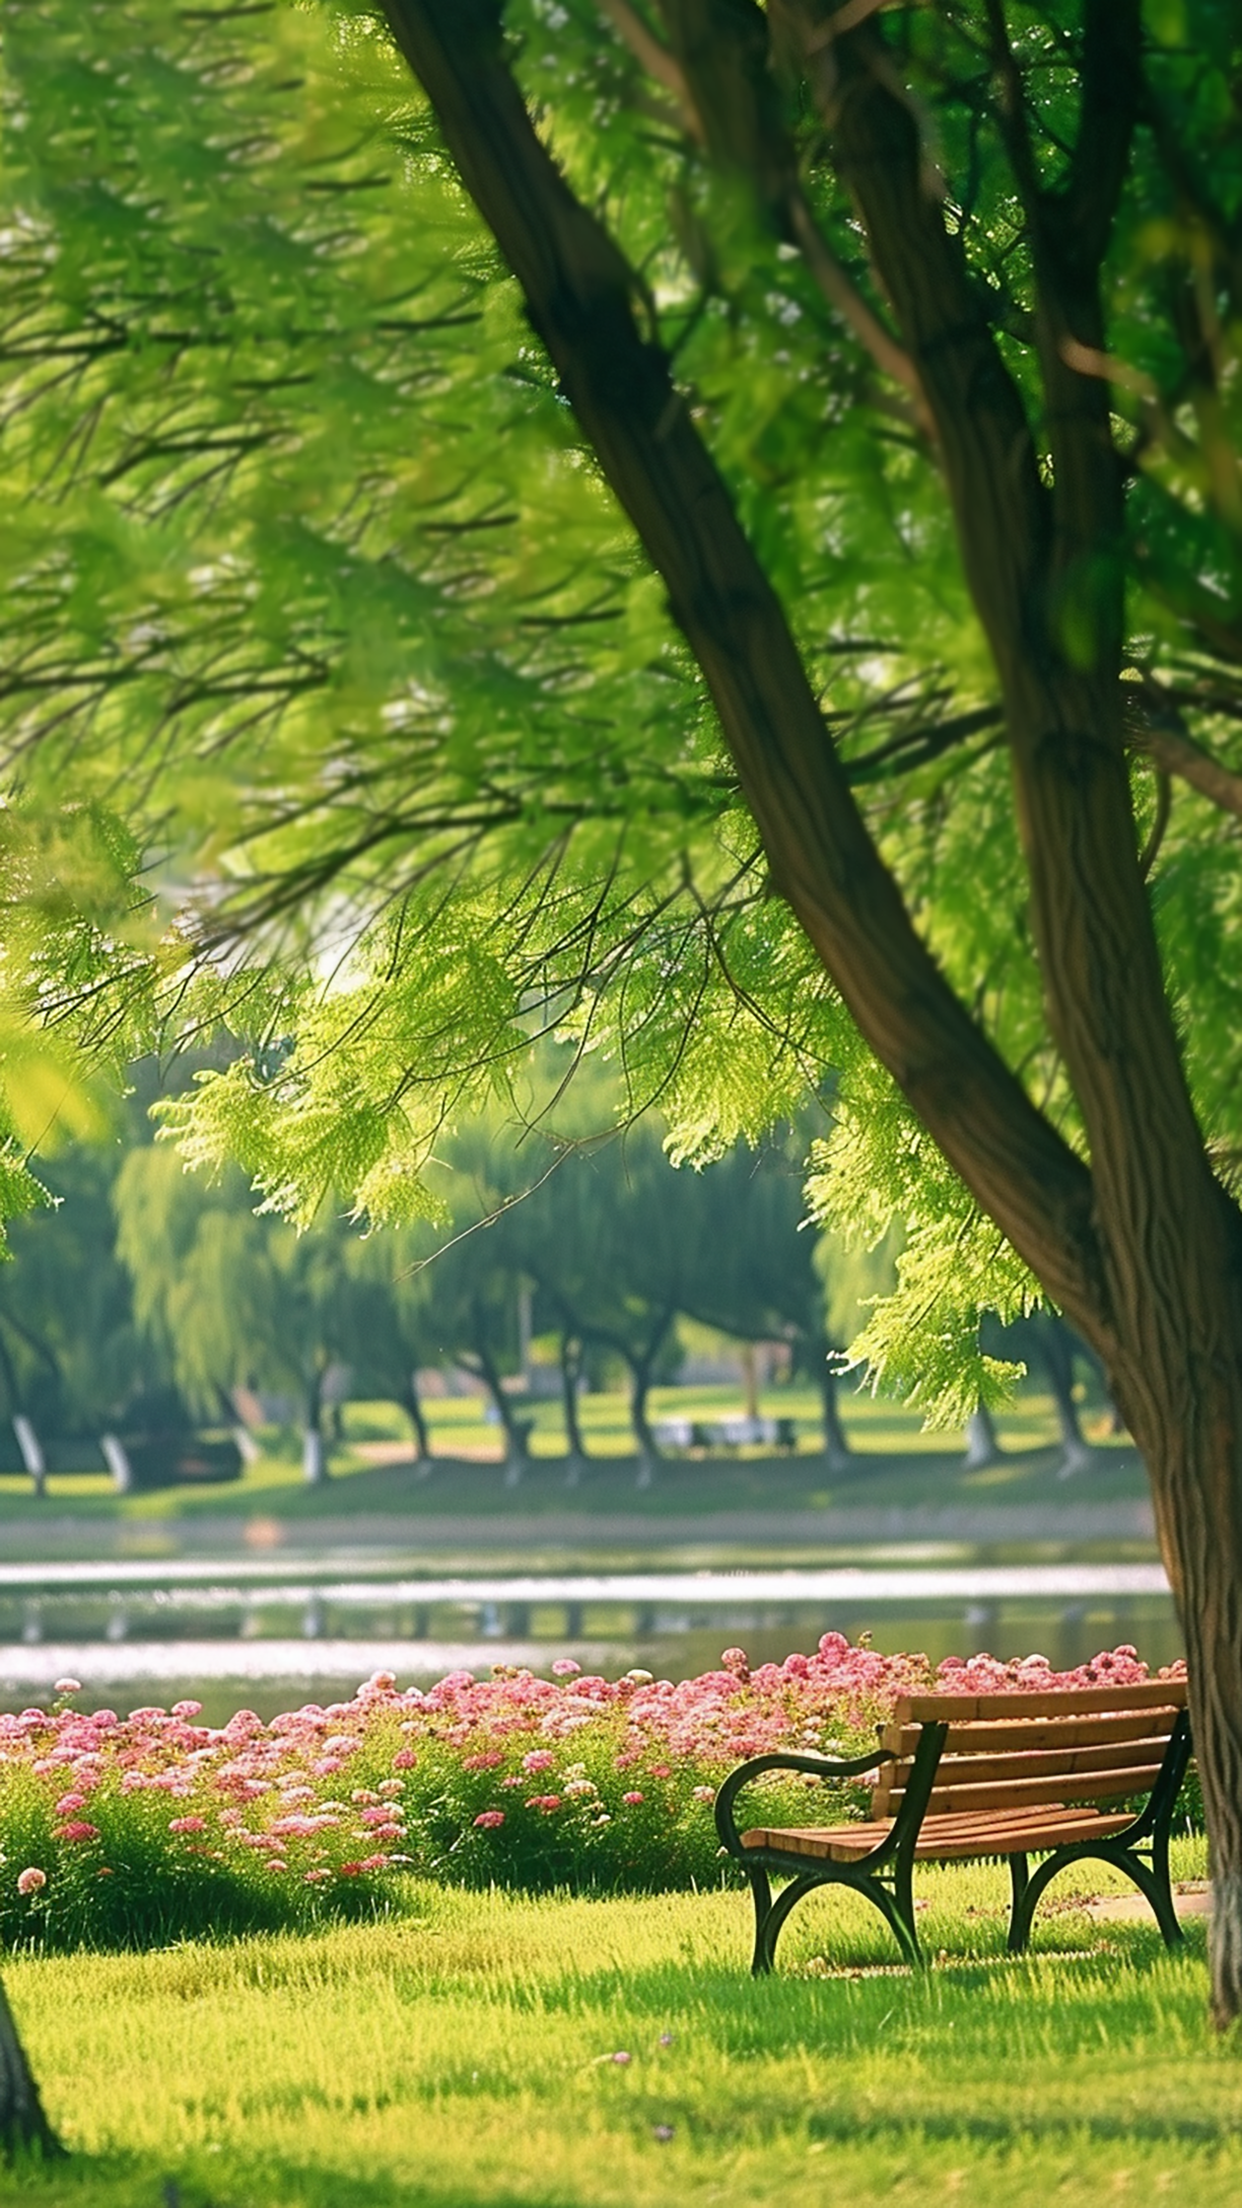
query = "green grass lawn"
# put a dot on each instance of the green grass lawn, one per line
(897, 1464)
(462, 2055)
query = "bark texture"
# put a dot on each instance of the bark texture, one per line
(1143, 1251)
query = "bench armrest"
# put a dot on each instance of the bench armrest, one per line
(822, 1767)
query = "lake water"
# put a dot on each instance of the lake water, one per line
(268, 1632)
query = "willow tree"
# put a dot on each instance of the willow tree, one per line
(715, 530)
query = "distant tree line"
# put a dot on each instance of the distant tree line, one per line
(145, 1295)
(145, 1298)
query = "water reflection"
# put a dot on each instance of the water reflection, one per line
(272, 1647)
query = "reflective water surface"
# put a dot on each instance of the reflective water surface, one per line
(274, 1631)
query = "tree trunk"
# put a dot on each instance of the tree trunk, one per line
(571, 1375)
(31, 1449)
(640, 1388)
(314, 1455)
(982, 1447)
(1056, 1346)
(1188, 1425)
(412, 1405)
(1142, 1249)
(23, 2126)
(750, 1379)
(514, 1431)
(116, 1457)
(838, 1456)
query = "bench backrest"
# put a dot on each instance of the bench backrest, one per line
(1013, 1751)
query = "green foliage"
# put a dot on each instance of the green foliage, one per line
(71, 1356)
(232, 1298)
(313, 586)
(921, 1337)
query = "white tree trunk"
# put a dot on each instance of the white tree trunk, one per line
(31, 1451)
(116, 1457)
(982, 1446)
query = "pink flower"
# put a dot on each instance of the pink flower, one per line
(77, 1829)
(546, 1804)
(489, 1820)
(275, 1863)
(187, 1824)
(490, 1757)
(315, 1878)
(631, 1800)
(736, 1661)
(32, 1880)
(349, 1870)
(704, 1793)
(404, 1760)
(565, 1667)
(661, 1771)
(68, 1686)
(186, 1709)
(391, 1790)
(539, 1759)
(68, 1803)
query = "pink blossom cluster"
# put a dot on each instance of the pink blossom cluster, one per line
(574, 1770)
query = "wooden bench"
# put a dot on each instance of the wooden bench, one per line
(1007, 1775)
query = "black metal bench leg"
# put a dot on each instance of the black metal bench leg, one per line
(1162, 1895)
(901, 1916)
(765, 1943)
(761, 1890)
(1019, 1919)
(1156, 1888)
(897, 1908)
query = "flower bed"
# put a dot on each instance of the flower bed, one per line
(133, 1831)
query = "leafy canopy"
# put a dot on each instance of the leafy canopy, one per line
(316, 605)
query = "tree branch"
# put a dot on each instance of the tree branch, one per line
(1003, 513)
(1069, 230)
(1156, 727)
(578, 291)
(718, 75)
(1046, 581)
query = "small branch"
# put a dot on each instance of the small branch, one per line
(1164, 806)
(655, 59)
(841, 293)
(788, 204)
(1172, 751)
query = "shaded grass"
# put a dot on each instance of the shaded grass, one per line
(461, 2056)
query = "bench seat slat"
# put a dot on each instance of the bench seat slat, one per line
(919, 1709)
(1031, 1734)
(1019, 1794)
(944, 1837)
